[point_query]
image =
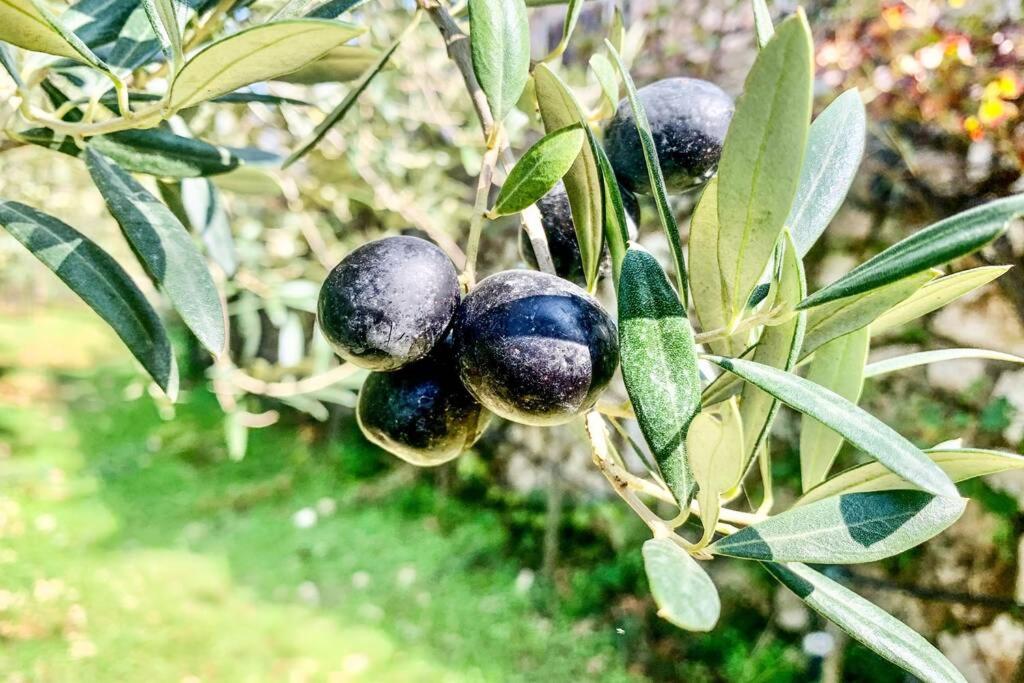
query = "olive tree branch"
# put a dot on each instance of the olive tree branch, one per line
(457, 44)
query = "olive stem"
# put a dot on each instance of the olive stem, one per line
(741, 326)
(483, 187)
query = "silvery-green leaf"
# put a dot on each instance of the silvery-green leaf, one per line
(838, 366)
(837, 318)
(935, 245)
(539, 169)
(165, 250)
(763, 26)
(654, 174)
(925, 357)
(845, 529)
(340, 65)
(778, 347)
(835, 147)
(196, 203)
(858, 427)
(960, 464)
(714, 446)
(616, 228)
(867, 623)
(935, 295)
(499, 38)
(583, 184)
(99, 281)
(659, 366)
(762, 157)
(31, 26)
(255, 54)
(682, 590)
(605, 73)
(97, 22)
(164, 20)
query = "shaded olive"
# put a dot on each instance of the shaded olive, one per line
(534, 348)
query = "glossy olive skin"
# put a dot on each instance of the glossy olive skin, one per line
(556, 218)
(389, 302)
(421, 413)
(534, 348)
(689, 119)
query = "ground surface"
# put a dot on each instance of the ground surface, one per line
(132, 549)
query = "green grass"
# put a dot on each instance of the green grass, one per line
(131, 548)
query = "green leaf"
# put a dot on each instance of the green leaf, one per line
(925, 357)
(97, 22)
(616, 227)
(100, 282)
(499, 38)
(762, 22)
(137, 44)
(714, 445)
(762, 158)
(939, 243)
(583, 184)
(778, 347)
(31, 26)
(839, 367)
(935, 295)
(332, 9)
(706, 286)
(682, 590)
(959, 463)
(845, 529)
(607, 79)
(879, 631)
(164, 20)
(572, 15)
(539, 170)
(7, 62)
(338, 113)
(857, 426)
(165, 250)
(255, 54)
(342, 64)
(837, 318)
(196, 203)
(835, 147)
(659, 366)
(665, 213)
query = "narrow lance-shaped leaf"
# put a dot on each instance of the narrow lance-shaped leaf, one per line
(714, 445)
(960, 464)
(616, 228)
(936, 294)
(605, 73)
(855, 425)
(937, 244)
(665, 213)
(762, 157)
(838, 366)
(164, 20)
(846, 529)
(7, 62)
(911, 360)
(779, 346)
(539, 170)
(583, 185)
(31, 26)
(499, 39)
(659, 366)
(835, 147)
(572, 15)
(836, 318)
(338, 113)
(763, 26)
(100, 282)
(340, 65)
(682, 590)
(165, 250)
(867, 623)
(332, 9)
(255, 54)
(97, 22)
(197, 204)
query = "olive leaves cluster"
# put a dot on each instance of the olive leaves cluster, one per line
(781, 179)
(708, 353)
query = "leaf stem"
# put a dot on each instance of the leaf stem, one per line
(483, 188)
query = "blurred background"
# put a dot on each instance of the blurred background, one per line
(249, 533)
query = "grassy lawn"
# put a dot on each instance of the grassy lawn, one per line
(132, 549)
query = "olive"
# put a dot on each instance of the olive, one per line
(534, 348)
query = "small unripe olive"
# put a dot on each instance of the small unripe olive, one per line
(421, 412)
(389, 302)
(689, 119)
(534, 348)
(556, 218)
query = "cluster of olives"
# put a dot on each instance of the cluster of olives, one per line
(524, 345)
